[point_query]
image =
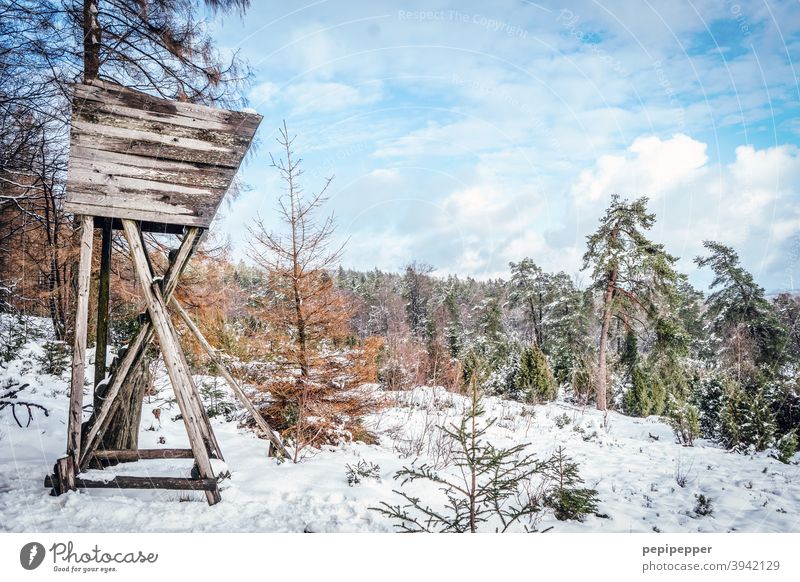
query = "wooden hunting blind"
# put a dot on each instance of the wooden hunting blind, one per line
(141, 163)
(148, 159)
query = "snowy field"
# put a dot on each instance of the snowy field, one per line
(634, 464)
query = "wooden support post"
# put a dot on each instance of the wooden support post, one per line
(135, 351)
(63, 478)
(79, 348)
(103, 295)
(178, 374)
(237, 390)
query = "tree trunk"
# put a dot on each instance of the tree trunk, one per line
(608, 298)
(123, 431)
(103, 294)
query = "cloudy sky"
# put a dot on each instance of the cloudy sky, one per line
(467, 135)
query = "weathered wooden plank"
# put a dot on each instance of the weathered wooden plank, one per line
(79, 346)
(209, 485)
(114, 96)
(127, 186)
(131, 482)
(98, 114)
(126, 194)
(134, 214)
(136, 348)
(157, 201)
(128, 456)
(146, 145)
(237, 390)
(178, 374)
(157, 170)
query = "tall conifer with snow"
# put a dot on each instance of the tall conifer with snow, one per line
(633, 274)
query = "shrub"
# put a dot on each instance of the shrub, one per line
(562, 420)
(534, 378)
(363, 470)
(786, 447)
(636, 401)
(13, 335)
(746, 420)
(707, 394)
(685, 421)
(217, 402)
(491, 484)
(703, 506)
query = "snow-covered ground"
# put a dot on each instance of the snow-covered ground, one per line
(634, 464)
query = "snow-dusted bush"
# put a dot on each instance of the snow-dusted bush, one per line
(684, 419)
(703, 506)
(363, 470)
(534, 378)
(489, 486)
(786, 447)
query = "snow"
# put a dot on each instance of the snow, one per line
(634, 464)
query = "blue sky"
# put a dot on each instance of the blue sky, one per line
(470, 134)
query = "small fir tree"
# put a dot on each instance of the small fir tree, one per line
(565, 496)
(491, 485)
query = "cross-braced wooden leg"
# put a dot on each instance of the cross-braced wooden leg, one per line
(134, 354)
(173, 357)
(195, 401)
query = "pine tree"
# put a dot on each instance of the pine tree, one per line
(740, 316)
(633, 273)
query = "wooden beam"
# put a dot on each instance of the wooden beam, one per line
(126, 482)
(79, 347)
(128, 456)
(237, 390)
(178, 374)
(135, 351)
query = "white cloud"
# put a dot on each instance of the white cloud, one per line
(262, 94)
(752, 203)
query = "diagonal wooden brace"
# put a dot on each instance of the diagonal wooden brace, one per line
(237, 390)
(135, 351)
(177, 371)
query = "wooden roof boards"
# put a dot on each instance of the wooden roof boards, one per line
(140, 157)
